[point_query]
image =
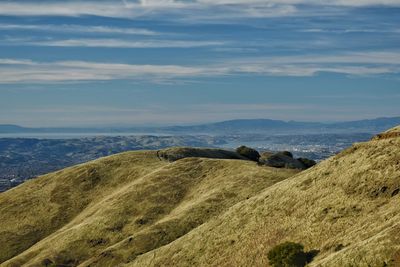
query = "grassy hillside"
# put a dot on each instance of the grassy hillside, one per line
(347, 207)
(169, 208)
(111, 210)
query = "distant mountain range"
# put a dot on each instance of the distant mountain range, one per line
(279, 126)
(241, 126)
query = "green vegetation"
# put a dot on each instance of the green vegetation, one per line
(288, 254)
(47, 263)
(248, 152)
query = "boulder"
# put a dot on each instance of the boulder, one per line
(248, 152)
(308, 163)
(177, 153)
(285, 160)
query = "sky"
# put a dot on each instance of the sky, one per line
(170, 62)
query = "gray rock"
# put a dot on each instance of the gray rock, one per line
(284, 160)
(177, 153)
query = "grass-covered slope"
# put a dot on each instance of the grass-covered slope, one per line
(40, 207)
(348, 207)
(109, 211)
(139, 209)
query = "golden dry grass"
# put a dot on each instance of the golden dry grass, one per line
(111, 210)
(135, 209)
(347, 207)
(39, 207)
(394, 129)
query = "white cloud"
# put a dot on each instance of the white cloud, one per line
(64, 9)
(7, 61)
(78, 29)
(132, 9)
(118, 43)
(391, 58)
(27, 71)
(351, 30)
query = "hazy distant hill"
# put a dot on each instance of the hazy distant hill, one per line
(376, 125)
(289, 127)
(8, 128)
(137, 209)
(241, 126)
(247, 126)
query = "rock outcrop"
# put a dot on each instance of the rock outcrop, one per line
(177, 153)
(285, 160)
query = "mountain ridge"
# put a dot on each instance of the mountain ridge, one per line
(255, 125)
(237, 126)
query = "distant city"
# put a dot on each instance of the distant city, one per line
(26, 153)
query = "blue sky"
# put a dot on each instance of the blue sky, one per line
(94, 63)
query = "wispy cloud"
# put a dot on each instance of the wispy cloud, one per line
(23, 71)
(386, 58)
(132, 9)
(350, 30)
(6, 61)
(66, 8)
(123, 43)
(78, 29)
(27, 71)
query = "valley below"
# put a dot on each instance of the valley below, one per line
(32, 155)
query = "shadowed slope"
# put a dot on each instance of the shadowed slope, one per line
(347, 207)
(111, 210)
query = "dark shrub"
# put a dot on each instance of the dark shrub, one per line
(248, 152)
(64, 258)
(287, 254)
(48, 263)
(308, 163)
(310, 255)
